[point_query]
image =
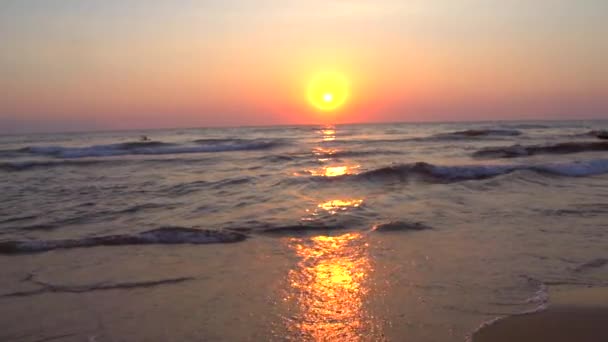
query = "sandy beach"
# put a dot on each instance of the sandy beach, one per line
(575, 315)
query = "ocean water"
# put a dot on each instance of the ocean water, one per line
(417, 232)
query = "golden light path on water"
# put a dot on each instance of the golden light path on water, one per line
(329, 288)
(326, 154)
(330, 283)
(335, 171)
(335, 206)
(332, 207)
(329, 134)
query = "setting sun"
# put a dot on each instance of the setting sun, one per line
(328, 91)
(321, 170)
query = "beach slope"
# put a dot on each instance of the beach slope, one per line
(578, 315)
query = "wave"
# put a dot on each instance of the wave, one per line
(17, 219)
(351, 154)
(328, 153)
(311, 227)
(11, 153)
(593, 264)
(27, 165)
(525, 126)
(598, 134)
(240, 144)
(434, 173)
(231, 182)
(478, 133)
(597, 209)
(400, 226)
(152, 148)
(165, 235)
(24, 165)
(279, 158)
(300, 229)
(370, 141)
(458, 135)
(447, 174)
(525, 151)
(182, 189)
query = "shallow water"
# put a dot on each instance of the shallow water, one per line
(288, 248)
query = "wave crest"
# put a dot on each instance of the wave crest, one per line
(165, 235)
(525, 151)
(446, 174)
(598, 134)
(478, 133)
(152, 148)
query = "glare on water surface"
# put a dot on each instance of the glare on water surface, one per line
(335, 171)
(328, 288)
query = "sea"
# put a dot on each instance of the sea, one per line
(363, 232)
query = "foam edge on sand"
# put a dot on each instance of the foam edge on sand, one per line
(574, 315)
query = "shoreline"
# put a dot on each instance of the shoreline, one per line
(574, 315)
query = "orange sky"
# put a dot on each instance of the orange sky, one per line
(147, 64)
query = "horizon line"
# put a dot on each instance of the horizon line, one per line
(473, 121)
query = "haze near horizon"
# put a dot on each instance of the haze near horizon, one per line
(161, 64)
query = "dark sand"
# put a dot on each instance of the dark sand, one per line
(579, 315)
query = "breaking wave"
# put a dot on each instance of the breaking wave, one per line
(455, 173)
(152, 148)
(597, 134)
(165, 235)
(478, 133)
(434, 173)
(524, 151)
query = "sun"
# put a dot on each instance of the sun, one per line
(328, 91)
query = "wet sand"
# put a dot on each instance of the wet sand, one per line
(345, 286)
(577, 315)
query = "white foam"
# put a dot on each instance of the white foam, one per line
(577, 168)
(540, 297)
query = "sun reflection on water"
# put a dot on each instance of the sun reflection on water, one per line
(324, 154)
(329, 289)
(335, 171)
(329, 134)
(332, 207)
(327, 154)
(335, 206)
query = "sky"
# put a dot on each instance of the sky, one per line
(129, 64)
